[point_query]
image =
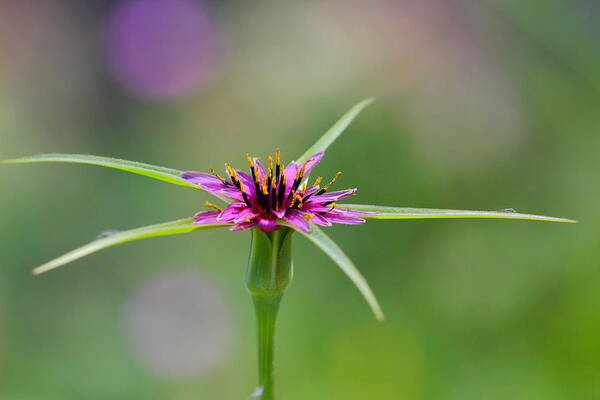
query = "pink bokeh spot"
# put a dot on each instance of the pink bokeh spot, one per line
(161, 49)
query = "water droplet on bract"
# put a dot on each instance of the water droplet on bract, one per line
(508, 210)
(107, 233)
(257, 393)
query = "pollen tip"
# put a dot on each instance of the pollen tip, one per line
(211, 205)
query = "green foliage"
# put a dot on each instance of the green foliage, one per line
(336, 130)
(384, 212)
(164, 229)
(152, 171)
(329, 247)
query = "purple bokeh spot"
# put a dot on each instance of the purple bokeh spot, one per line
(161, 49)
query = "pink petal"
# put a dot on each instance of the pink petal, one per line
(332, 196)
(320, 220)
(312, 162)
(290, 173)
(267, 225)
(310, 190)
(206, 217)
(247, 214)
(248, 182)
(297, 218)
(261, 169)
(343, 216)
(213, 184)
(231, 212)
(241, 227)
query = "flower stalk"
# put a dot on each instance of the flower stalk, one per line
(268, 275)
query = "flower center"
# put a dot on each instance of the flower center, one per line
(271, 189)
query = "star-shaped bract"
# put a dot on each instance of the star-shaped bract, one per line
(266, 199)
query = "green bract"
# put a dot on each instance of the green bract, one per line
(316, 236)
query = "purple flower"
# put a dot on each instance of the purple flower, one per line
(273, 195)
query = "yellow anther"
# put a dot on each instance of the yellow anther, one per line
(270, 164)
(318, 181)
(264, 186)
(337, 175)
(250, 160)
(309, 215)
(277, 157)
(302, 170)
(299, 198)
(212, 171)
(297, 174)
(293, 193)
(211, 205)
(230, 169)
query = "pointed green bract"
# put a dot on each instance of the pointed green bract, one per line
(329, 247)
(164, 229)
(384, 212)
(335, 131)
(161, 173)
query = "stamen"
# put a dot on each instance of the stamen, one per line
(250, 161)
(302, 170)
(332, 181)
(293, 195)
(309, 215)
(213, 172)
(318, 181)
(264, 186)
(326, 187)
(281, 171)
(269, 173)
(297, 174)
(277, 164)
(273, 198)
(270, 165)
(254, 176)
(211, 205)
(231, 172)
(333, 206)
(259, 193)
(280, 191)
(299, 198)
(253, 168)
(298, 178)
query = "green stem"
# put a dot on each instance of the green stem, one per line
(268, 275)
(266, 316)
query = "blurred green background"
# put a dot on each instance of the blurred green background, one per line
(480, 105)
